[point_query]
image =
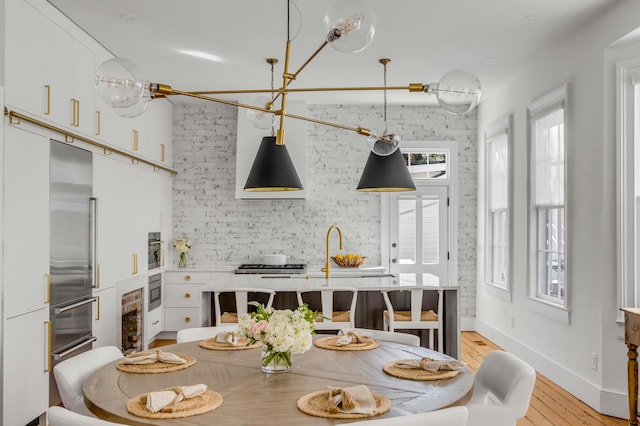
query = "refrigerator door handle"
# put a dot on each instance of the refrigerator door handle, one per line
(93, 241)
(58, 311)
(57, 357)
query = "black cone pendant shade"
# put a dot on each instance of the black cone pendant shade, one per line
(386, 174)
(272, 169)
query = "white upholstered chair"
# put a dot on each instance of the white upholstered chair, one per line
(452, 416)
(334, 320)
(70, 374)
(242, 300)
(490, 415)
(201, 333)
(58, 416)
(388, 336)
(416, 317)
(503, 380)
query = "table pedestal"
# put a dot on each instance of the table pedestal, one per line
(632, 340)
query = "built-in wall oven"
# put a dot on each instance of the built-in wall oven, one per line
(155, 250)
(155, 291)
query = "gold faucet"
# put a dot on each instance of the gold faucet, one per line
(327, 269)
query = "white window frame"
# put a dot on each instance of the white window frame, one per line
(556, 309)
(501, 128)
(451, 182)
(628, 236)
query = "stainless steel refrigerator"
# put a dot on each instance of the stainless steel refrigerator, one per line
(73, 251)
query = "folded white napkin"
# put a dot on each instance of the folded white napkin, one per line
(167, 399)
(356, 399)
(227, 337)
(347, 337)
(429, 364)
(149, 357)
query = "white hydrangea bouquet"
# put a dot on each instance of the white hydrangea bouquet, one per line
(182, 246)
(282, 332)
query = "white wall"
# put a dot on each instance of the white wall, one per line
(230, 231)
(561, 351)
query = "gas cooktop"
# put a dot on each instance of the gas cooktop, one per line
(258, 268)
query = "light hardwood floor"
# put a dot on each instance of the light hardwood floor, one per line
(550, 405)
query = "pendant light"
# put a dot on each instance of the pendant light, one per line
(272, 169)
(386, 169)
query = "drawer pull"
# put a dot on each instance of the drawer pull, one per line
(187, 277)
(187, 319)
(187, 295)
(155, 322)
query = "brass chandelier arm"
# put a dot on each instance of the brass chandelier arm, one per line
(218, 100)
(413, 87)
(358, 130)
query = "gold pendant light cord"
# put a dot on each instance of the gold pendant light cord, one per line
(273, 117)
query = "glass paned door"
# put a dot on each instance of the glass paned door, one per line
(419, 233)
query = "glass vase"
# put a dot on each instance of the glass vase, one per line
(183, 260)
(275, 362)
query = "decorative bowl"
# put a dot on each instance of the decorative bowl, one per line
(349, 261)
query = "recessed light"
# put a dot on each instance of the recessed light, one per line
(125, 17)
(202, 55)
(531, 17)
(489, 58)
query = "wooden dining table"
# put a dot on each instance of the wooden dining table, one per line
(252, 397)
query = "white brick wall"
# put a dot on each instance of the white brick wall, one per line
(231, 231)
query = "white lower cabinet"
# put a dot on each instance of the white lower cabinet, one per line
(155, 324)
(105, 316)
(25, 368)
(183, 301)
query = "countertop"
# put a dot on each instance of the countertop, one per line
(360, 279)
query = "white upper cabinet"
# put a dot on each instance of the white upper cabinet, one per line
(27, 59)
(155, 131)
(26, 221)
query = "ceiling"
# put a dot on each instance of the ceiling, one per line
(423, 38)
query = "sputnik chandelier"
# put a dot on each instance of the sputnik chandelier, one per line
(349, 26)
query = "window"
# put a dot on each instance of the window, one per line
(547, 220)
(497, 205)
(628, 161)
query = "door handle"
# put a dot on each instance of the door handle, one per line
(48, 290)
(59, 356)
(98, 123)
(48, 89)
(93, 243)
(47, 369)
(98, 310)
(58, 311)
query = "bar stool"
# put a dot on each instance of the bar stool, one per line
(241, 299)
(334, 320)
(416, 318)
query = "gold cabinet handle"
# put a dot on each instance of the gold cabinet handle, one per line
(48, 289)
(155, 322)
(98, 310)
(47, 324)
(162, 257)
(187, 277)
(135, 264)
(162, 152)
(48, 90)
(77, 113)
(135, 140)
(75, 105)
(98, 123)
(98, 277)
(187, 296)
(187, 319)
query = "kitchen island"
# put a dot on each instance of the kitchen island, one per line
(188, 297)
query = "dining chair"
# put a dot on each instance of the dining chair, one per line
(201, 333)
(70, 374)
(490, 415)
(387, 336)
(505, 380)
(416, 317)
(59, 416)
(452, 416)
(333, 320)
(241, 303)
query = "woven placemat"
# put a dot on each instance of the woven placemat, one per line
(212, 344)
(200, 404)
(330, 343)
(417, 373)
(157, 367)
(314, 404)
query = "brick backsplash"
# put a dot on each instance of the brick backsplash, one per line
(229, 231)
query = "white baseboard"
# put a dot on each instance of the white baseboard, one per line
(603, 401)
(467, 324)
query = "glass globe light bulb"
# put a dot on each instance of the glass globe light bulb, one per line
(458, 91)
(117, 83)
(349, 25)
(261, 119)
(386, 142)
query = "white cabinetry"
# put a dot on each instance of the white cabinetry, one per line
(105, 317)
(25, 369)
(154, 324)
(185, 307)
(26, 220)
